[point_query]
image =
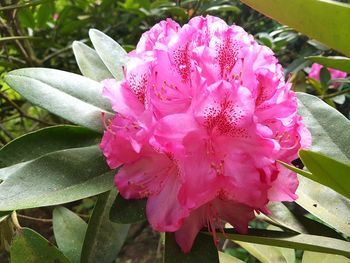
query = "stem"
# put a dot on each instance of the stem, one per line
(15, 221)
(43, 220)
(7, 133)
(10, 7)
(335, 94)
(22, 113)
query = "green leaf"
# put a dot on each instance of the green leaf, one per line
(44, 13)
(203, 250)
(69, 230)
(223, 8)
(125, 211)
(55, 178)
(324, 203)
(325, 77)
(326, 21)
(269, 254)
(111, 53)
(44, 141)
(89, 62)
(327, 126)
(327, 171)
(26, 17)
(226, 258)
(282, 216)
(312, 257)
(104, 238)
(71, 96)
(290, 240)
(30, 247)
(336, 62)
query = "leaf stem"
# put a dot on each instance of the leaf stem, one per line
(335, 94)
(15, 221)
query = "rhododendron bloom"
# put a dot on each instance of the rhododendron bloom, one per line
(202, 115)
(335, 74)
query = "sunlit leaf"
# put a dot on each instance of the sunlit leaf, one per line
(269, 254)
(90, 64)
(315, 18)
(327, 171)
(226, 258)
(336, 62)
(290, 240)
(312, 257)
(324, 203)
(71, 96)
(327, 127)
(111, 53)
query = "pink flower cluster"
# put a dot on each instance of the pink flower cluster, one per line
(335, 74)
(202, 115)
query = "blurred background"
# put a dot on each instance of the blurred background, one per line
(39, 33)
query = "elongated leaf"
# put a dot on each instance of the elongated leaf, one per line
(30, 247)
(203, 250)
(328, 171)
(223, 8)
(327, 127)
(90, 64)
(35, 144)
(269, 254)
(326, 21)
(55, 178)
(299, 223)
(312, 257)
(111, 53)
(104, 238)
(128, 211)
(69, 230)
(336, 62)
(4, 215)
(44, 13)
(71, 96)
(281, 215)
(225, 258)
(326, 204)
(289, 240)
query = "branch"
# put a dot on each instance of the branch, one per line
(22, 113)
(11, 7)
(335, 94)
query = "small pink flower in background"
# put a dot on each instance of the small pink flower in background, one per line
(335, 74)
(202, 115)
(55, 17)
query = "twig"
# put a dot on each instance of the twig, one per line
(10, 7)
(335, 94)
(43, 220)
(7, 133)
(22, 113)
